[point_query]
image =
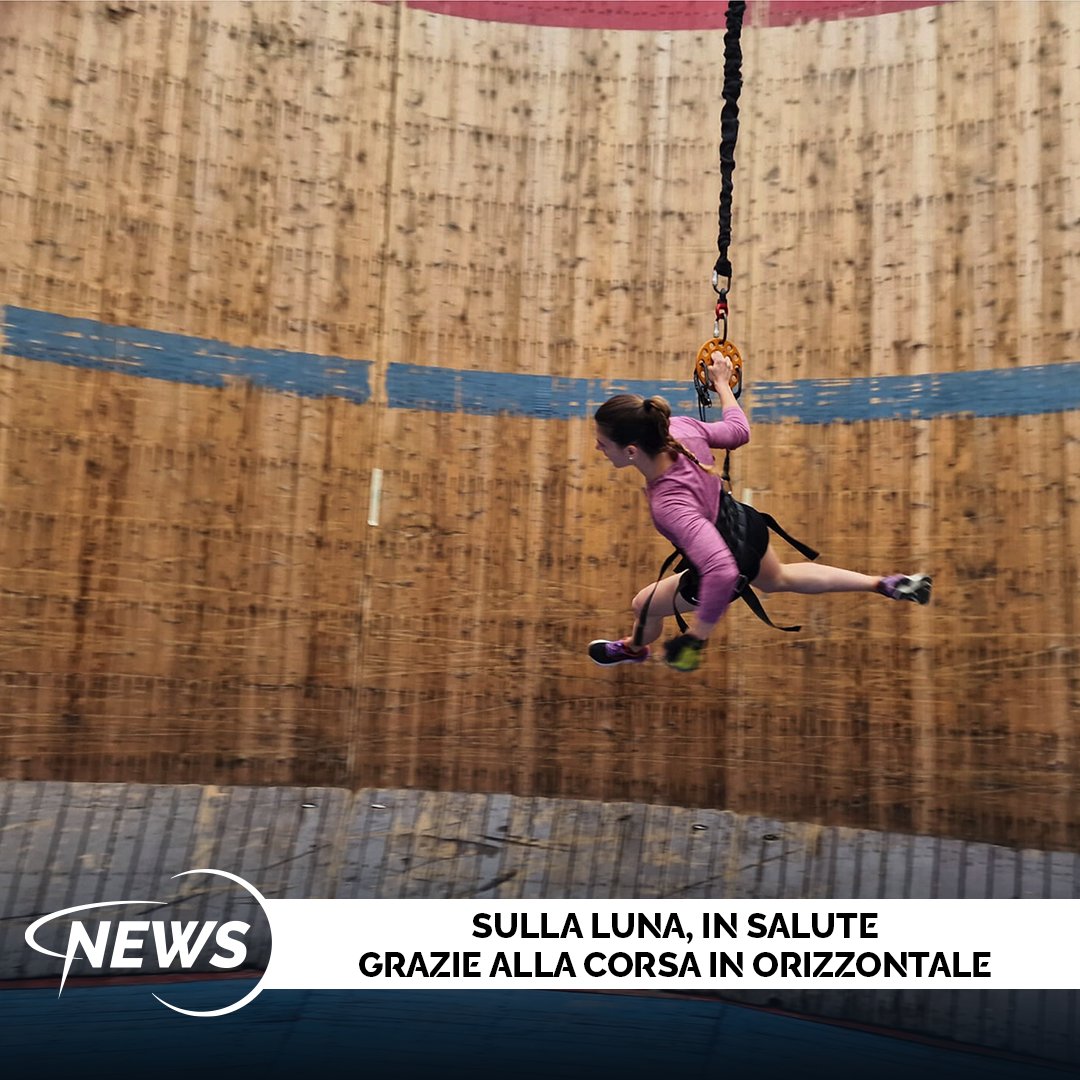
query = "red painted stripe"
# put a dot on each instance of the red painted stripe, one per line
(160, 978)
(660, 14)
(786, 12)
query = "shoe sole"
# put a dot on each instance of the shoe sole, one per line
(916, 588)
(613, 663)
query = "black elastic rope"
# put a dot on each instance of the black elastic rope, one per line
(729, 129)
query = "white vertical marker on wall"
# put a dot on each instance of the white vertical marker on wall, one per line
(376, 497)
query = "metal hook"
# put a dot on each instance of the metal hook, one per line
(721, 317)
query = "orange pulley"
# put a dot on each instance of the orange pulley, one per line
(725, 348)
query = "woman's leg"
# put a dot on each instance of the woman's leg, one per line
(663, 604)
(808, 577)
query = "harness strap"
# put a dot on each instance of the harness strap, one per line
(803, 549)
(639, 629)
(748, 594)
(754, 604)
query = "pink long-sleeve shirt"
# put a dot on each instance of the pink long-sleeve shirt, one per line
(685, 500)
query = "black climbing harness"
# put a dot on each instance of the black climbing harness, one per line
(733, 524)
(733, 519)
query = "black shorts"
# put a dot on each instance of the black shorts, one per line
(748, 541)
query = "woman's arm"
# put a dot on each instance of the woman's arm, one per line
(734, 429)
(720, 372)
(680, 520)
(729, 433)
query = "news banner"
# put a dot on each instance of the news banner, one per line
(683, 945)
(674, 945)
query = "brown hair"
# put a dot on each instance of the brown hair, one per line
(629, 419)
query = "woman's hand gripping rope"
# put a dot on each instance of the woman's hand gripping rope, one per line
(720, 371)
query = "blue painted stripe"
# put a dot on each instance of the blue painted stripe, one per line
(125, 350)
(36, 335)
(1023, 391)
(494, 393)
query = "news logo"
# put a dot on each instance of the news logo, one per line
(122, 946)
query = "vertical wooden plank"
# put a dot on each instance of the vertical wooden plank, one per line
(674, 875)
(949, 870)
(561, 840)
(365, 843)
(869, 865)
(586, 850)
(479, 851)
(224, 818)
(605, 861)
(801, 867)
(655, 852)
(826, 864)
(541, 830)
(690, 872)
(38, 814)
(517, 840)
(495, 873)
(773, 855)
(628, 842)
(745, 858)
(408, 810)
(720, 832)
(453, 855)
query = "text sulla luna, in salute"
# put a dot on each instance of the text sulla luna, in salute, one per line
(608, 925)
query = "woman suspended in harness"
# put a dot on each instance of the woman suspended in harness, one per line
(724, 544)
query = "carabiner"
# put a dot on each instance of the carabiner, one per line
(721, 317)
(720, 325)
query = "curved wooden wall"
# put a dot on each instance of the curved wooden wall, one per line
(254, 253)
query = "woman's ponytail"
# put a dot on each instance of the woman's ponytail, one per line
(629, 419)
(677, 447)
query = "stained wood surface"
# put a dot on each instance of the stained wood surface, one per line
(189, 588)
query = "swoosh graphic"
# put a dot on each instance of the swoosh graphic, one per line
(67, 957)
(257, 988)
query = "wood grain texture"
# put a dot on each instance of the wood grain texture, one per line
(189, 589)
